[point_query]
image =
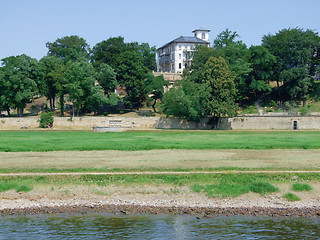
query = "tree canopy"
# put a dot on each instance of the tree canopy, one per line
(219, 78)
(18, 81)
(207, 91)
(297, 55)
(69, 48)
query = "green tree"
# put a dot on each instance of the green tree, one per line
(218, 76)
(19, 81)
(4, 101)
(200, 58)
(208, 91)
(155, 87)
(262, 63)
(80, 86)
(188, 100)
(131, 74)
(52, 72)
(106, 77)
(147, 53)
(108, 52)
(69, 48)
(297, 52)
(234, 52)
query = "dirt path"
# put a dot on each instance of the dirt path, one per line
(164, 159)
(147, 173)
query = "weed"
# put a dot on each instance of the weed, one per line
(174, 190)
(291, 197)
(196, 187)
(263, 188)
(23, 188)
(226, 190)
(300, 187)
(6, 186)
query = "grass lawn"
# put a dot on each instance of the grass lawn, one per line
(41, 141)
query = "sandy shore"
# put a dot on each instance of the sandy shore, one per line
(128, 200)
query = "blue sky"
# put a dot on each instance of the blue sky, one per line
(26, 25)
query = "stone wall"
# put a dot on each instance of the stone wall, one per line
(126, 123)
(176, 123)
(112, 123)
(270, 122)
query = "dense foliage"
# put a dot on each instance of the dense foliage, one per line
(281, 70)
(46, 119)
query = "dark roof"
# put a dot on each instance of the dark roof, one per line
(183, 39)
(201, 29)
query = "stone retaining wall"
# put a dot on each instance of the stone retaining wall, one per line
(113, 123)
(270, 122)
(126, 123)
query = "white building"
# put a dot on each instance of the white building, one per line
(176, 55)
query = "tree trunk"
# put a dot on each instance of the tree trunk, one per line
(50, 100)
(304, 101)
(54, 103)
(20, 112)
(62, 105)
(279, 94)
(153, 106)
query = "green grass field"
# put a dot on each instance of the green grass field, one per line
(38, 141)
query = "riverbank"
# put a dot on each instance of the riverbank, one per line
(164, 200)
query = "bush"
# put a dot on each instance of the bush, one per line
(304, 110)
(5, 186)
(146, 113)
(46, 119)
(262, 188)
(272, 103)
(250, 110)
(23, 188)
(291, 197)
(299, 187)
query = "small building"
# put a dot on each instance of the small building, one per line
(176, 55)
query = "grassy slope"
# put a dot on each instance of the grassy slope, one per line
(21, 141)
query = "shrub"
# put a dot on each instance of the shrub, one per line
(23, 188)
(299, 187)
(291, 197)
(304, 111)
(262, 188)
(250, 110)
(5, 186)
(46, 119)
(196, 188)
(146, 113)
(272, 103)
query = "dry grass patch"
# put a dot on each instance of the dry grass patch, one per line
(163, 159)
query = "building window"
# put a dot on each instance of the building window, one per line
(179, 55)
(179, 65)
(203, 35)
(179, 47)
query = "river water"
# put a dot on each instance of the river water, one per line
(107, 226)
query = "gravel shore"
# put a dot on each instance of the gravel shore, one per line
(190, 203)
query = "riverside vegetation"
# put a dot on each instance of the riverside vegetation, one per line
(227, 183)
